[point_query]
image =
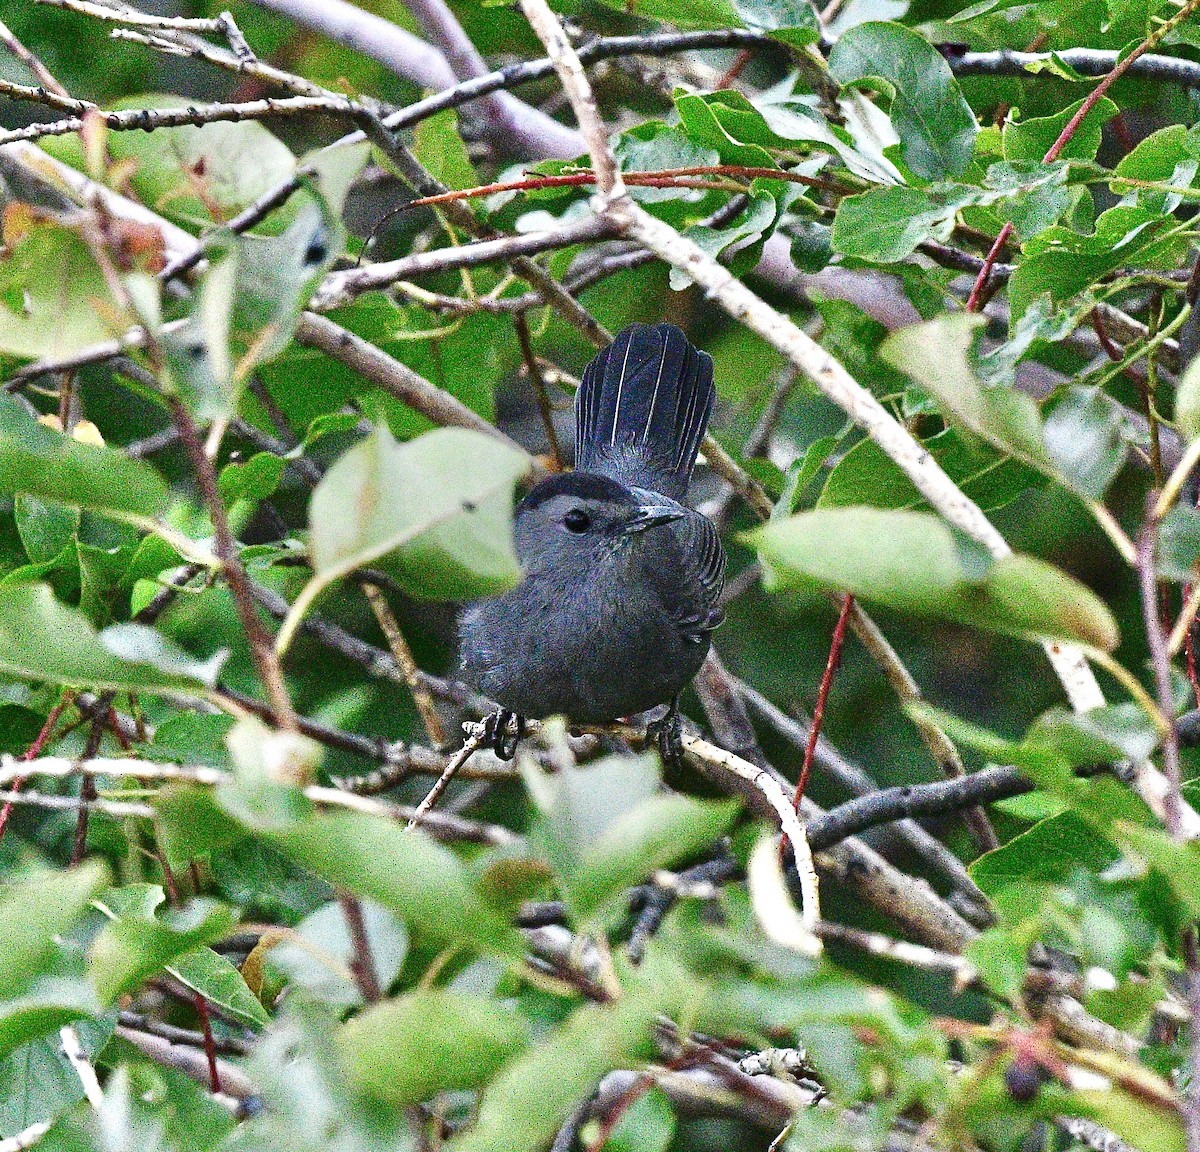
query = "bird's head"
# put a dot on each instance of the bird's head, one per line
(579, 515)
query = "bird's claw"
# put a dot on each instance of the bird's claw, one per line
(667, 734)
(496, 734)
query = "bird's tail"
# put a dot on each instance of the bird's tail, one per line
(642, 409)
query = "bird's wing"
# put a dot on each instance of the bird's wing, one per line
(696, 602)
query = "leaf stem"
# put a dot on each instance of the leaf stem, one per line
(1130, 683)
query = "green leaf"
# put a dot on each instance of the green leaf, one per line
(45, 528)
(1178, 544)
(256, 479)
(1081, 444)
(1168, 156)
(658, 832)
(792, 21)
(886, 225)
(191, 824)
(1000, 960)
(42, 1009)
(911, 562)
(37, 461)
(442, 503)
(935, 356)
(195, 175)
(707, 121)
(36, 910)
(1036, 194)
(648, 1125)
(1085, 435)
(52, 295)
(320, 960)
(1187, 401)
(137, 943)
(220, 983)
(1049, 851)
(139, 645)
(1177, 862)
(934, 122)
(38, 1082)
(654, 147)
(248, 305)
(1063, 262)
(433, 1040)
(681, 13)
(867, 471)
(309, 1106)
(420, 881)
(1135, 1120)
(150, 1110)
(579, 806)
(1032, 139)
(438, 144)
(532, 1095)
(1097, 736)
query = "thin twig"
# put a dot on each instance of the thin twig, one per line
(765, 783)
(87, 790)
(471, 745)
(150, 119)
(262, 651)
(45, 77)
(84, 1069)
(831, 666)
(362, 960)
(341, 288)
(533, 371)
(910, 800)
(421, 696)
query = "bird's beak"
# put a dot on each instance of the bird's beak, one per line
(651, 516)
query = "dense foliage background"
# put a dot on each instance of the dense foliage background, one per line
(261, 429)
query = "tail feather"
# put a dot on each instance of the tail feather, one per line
(642, 409)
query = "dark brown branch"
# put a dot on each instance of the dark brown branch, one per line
(912, 800)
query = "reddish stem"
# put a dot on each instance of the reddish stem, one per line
(976, 300)
(1189, 644)
(114, 726)
(1190, 648)
(87, 792)
(35, 749)
(831, 666)
(210, 1045)
(735, 69)
(667, 178)
(1064, 138)
(1110, 349)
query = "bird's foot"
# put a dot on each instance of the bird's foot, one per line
(497, 735)
(667, 734)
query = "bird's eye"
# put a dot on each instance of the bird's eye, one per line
(577, 520)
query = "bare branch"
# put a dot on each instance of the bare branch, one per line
(391, 375)
(150, 119)
(341, 288)
(45, 77)
(409, 56)
(937, 798)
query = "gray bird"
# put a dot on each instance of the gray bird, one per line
(622, 581)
